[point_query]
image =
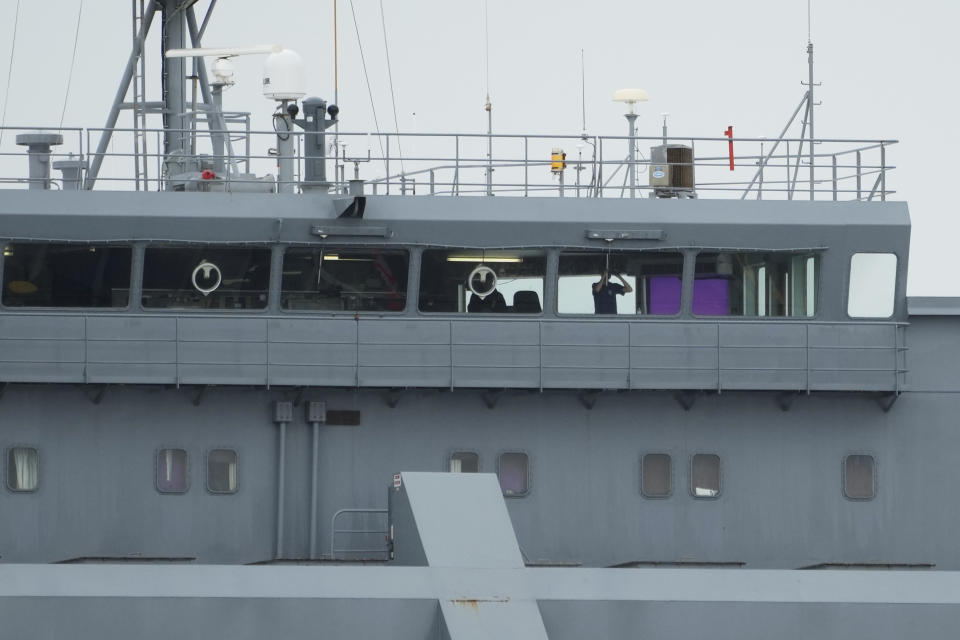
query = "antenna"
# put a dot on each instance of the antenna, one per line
(489, 105)
(631, 97)
(583, 94)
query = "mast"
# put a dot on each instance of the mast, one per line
(174, 36)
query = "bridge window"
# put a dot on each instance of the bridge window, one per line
(23, 469)
(206, 277)
(172, 471)
(705, 476)
(344, 279)
(646, 282)
(859, 476)
(513, 472)
(873, 283)
(65, 275)
(464, 462)
(655, 475)
(482, 281)
(222, 471)
(755, 284)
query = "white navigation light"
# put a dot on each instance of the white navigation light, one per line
(284, 76)
(630, 96)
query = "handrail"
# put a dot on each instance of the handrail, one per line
(334, 531)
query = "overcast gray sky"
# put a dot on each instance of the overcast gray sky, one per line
(887, 70)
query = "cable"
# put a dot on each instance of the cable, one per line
(376, 124)
(6, 95)
(73, 60)
(393, 98)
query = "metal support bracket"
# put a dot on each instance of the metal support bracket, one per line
(392, 397)
(785, 399)
(588, 397)
(491, 396)
(685, 399)
(98, 392)
(198, 394)
(887, 400)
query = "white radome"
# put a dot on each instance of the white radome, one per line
(284, 76)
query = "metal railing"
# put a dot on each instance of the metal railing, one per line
(521, 165)
(366, 550)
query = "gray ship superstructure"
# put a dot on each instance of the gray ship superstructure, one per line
(313, 405)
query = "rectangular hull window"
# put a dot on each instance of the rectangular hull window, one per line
(344, 279)
(171, 471)
(756, 284)
(655, 475)
(705, 476)
(482, 281)
(858, 477)
(514, 473)
(66, 275)
(23, 469)
(464, 462)
(206, 278)
(222, 471)
(636, 282)
(873, 283)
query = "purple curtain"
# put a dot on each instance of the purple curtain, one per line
(664, 296)
(711, 297)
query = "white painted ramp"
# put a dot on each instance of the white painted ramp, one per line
(463, 523)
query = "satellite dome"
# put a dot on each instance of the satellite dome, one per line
(283, 76)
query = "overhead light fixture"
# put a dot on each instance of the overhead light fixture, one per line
(337, 257)
(7, 252)
(484, 259)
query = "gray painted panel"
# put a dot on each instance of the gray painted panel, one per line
(584, 378)
(672, 379)
(852, 380)
(768, 358)
(404, 376)
(584, 356)
(131, 351)
(852, 335)
(319, 330)
(148, 373)
(673, 357)
(588, 333)
(41, 372)
(312, 375)
(131, 328)
(751, 334)
(492, 356)
(853, 360)
(42, 350)
(483, 332)
(496, 377)
(782, 380)
(414, 332)
(222, 374)
(313, 354)
(222, 352)
(393, 355)
(37, 326)
(683, 334)
(222, 329)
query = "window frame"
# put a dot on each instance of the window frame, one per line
(206, 476)
(120, 245)
(719, 493)
(343, 312)
(817, 255)
(186, 470)
(622, 316)
(6, 467)
(670, 476)
(453, 452)
(529, 473)
(849, 282)
(141, 270)
(843, 476)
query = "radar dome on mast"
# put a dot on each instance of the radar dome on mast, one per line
(284, 77)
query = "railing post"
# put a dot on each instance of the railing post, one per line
(526, 166)
(432, 183)
(883, 173)
(834, 177)
(387, 162)
(859, 175)
(456, 164)
(600, 170)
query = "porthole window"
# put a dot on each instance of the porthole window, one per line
(222, 471)
(172, 471)
(705, 476)
(23, 469)
(655, 475)
(464, 462)
(513, 472)
(859, 477)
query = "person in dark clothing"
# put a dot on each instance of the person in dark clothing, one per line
(605, 292)
(494, 302)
